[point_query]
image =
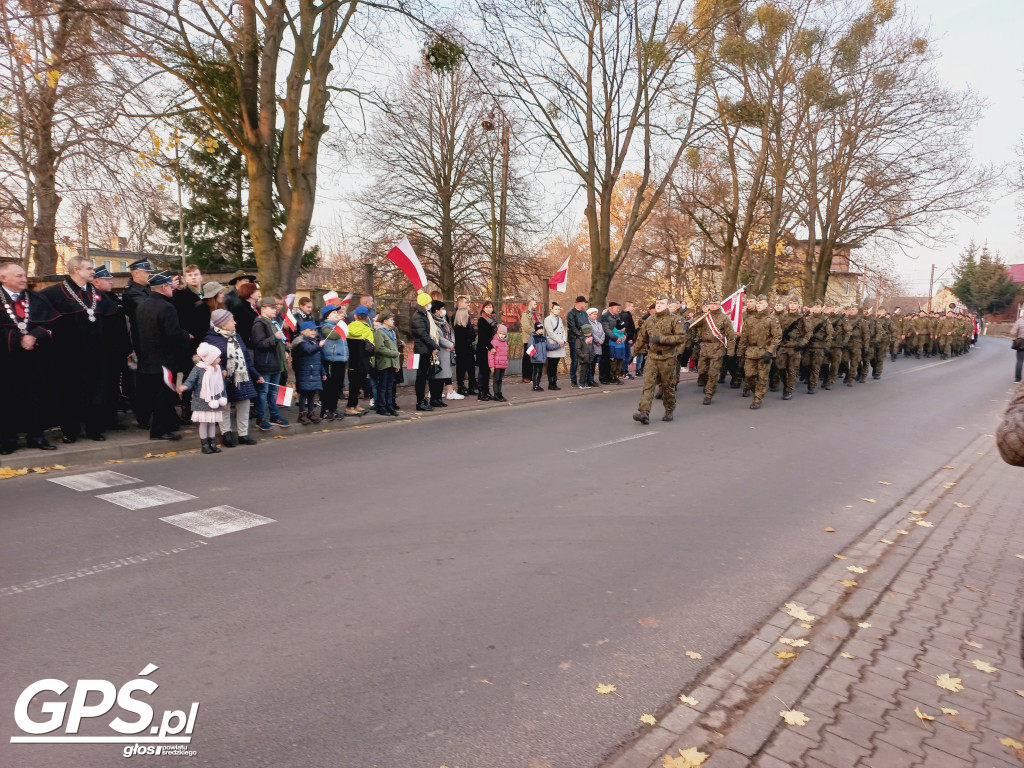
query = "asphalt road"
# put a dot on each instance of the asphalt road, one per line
(449, 591)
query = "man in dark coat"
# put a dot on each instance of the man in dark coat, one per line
(161, 341)
(82, 341)
(119, 348)
(195, 322)
(232, 301)
(26, 320)
(136, 292)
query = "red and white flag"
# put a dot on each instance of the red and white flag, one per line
(289, 321)
(346, 300)
(169, 379)
(559, 279)
(404, 257)
(284, 395)
(733, 307)
(339, 331)
(531, 350)
(412, 361)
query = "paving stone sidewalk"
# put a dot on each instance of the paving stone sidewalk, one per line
(943, 598)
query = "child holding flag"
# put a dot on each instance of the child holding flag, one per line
(211, 398)
(334, 352)
(537, 350)
(309, 370)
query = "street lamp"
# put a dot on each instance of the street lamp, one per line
(488, 124)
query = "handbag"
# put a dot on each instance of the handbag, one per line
(1017, 343)
(435, 364)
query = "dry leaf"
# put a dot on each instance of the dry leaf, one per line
(785, 655)
(805, 625)
(870, 501)
(1021, 557)
(485, 680)
(694, 655)
(973, 644)
(922, 715)
(798, 612)
(1006, 741)
(919, 512)
(649, 719)
(6, 472)
(947, 467)
(285, 437)
(848, 582)
(902, 533)
(884, 482)
(948, 683)
(885, 541)
(856, 569)
(839, 557)
(925, 523)
(649, 623)
(829, 529)
(688, 758)
(846, 655)
(114, 461)
(606, 688)
(950, 712)
(794, 643)
(962, 506)
(983, 666)
(863, 624)
(795, 717)
(689, 700)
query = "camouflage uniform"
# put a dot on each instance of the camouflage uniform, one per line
(759, 341)
(820, 340)
(795, 335)
(885, 332)
(856, 334)
(712, 350)
(658, 338)
(835, 349)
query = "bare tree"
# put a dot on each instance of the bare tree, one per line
(609, 85)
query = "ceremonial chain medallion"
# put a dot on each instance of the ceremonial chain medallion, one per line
(22, 323)
(90, 311)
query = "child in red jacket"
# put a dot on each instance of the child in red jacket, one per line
(497, 359)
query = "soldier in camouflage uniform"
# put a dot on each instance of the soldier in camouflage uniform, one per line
(854, 341)
(820, 341)
(758, 343)
(944, 334)
(795, 335)
(921, 333)
(659, 337)
(778, 309)
(715, 335)
(869, 346)
(835, 350)
(885, 332)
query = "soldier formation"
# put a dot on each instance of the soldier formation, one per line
(783, 343)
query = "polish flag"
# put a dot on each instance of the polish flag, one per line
(289, 321)
(531, 350)
(346, 300)
(339, 331)
(733, 307)
(284, 395)
(169, 379)
(404, 257)
(412, 362)
(558, 280)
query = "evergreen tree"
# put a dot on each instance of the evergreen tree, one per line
(981, 280)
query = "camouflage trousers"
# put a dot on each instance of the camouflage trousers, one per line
(832, 366)
(663, 371)
(815, 357)
(787, 361)
(852, 356)
(709, 366)
(878, 361)
(756, 372)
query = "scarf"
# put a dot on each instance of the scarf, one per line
(213, 383)
(237, 370)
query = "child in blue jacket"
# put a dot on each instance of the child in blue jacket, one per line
(309, 370)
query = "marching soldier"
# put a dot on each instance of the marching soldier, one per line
(818, 345)
(758, 343)
(885, 332)
(658, 338)
(715, 334)
(795, 335)
(856, 338)
(835, 350)
(897, 336)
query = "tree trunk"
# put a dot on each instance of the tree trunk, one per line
(47, 203)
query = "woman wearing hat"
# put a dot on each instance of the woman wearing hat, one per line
(240, 376)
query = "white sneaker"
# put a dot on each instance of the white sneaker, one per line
(371, 402)
(453, 395)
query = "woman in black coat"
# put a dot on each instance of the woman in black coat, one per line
(465, 353)
(486, 327)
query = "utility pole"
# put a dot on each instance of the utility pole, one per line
(499, 272)
(85, 231)
(931, 284)
(181, 221)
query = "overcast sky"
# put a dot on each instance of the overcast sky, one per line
(980, 45)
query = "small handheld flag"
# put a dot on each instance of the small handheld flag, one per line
(169, 378)
(412, 361)
(559, 279)
(284, 395)
(404, 257)
(339, 331)
(531, 350)
(289, 321)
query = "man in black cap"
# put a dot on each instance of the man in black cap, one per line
(26, 336)
(574, 321)
(82, 342)
(194, 317)
(119, 348)
(231, 299)
(161, 341)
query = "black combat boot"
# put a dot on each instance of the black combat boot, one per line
(755, 405)
(668, 416)
(746, 392)
(642, 417)
(707, 400)
(787, 395)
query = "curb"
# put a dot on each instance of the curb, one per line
(739, 696)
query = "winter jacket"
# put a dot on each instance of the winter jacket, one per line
(465, 335)
(333, 350)
(419, 325)
(598, 330)
(485, 330)
(161, 338)
(306, 362)
(498, 355)
(554, 329)
(245, 316)
(574, 321)
(194, 383)
(540, 346)
(246, 390)
(266, 350)
(585, 352)
(617, 349)
(386, 353)
(358, 334)
(1010, 433)
(446, 339)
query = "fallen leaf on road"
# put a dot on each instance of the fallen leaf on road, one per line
(922, 715)
(565, 665)
(1013, 744)
(925, 523)
(863, 624)
(798, 612)
(284, 437)
(830, 529)
(1020, 693)
(919, 512)
(950, 712)
(1021, 557)
(606, 688)
(694, 655)
(839, 557)
(689, 700)
(805, 625)
(794, 643)
(870, 501)
(485, 681)
(983, 666)
(785, 655)
(962, 506)
(885, 541)
(903, 533)
(973, 644)
(649, 623)
(856, 569)
(846, 655)
(884, 482)
(948, 683)
(649, 719)
(795, 717)
(160, 455)
(114, 461)
(948, 466)
(6, 472)
(848, 582)
(688, 758)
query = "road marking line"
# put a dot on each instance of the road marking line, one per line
(924, 367)
(141, 498)
(101, 568)
(93, 481)
(611, 442)
(217, 521)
